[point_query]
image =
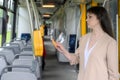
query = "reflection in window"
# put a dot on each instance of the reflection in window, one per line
(1, 2)
(9, 27)
(11, 4)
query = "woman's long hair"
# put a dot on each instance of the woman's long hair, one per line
(103, 18)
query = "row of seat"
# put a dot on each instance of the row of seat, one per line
(18, 62)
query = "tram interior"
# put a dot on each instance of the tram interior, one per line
(64, 22)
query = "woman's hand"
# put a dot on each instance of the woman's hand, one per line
(60, 47)
(62, 50)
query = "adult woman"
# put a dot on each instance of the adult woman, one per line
(97, 52)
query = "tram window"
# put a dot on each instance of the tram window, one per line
(1, 2)
(1, 15)
(9, 27)
(11, 4)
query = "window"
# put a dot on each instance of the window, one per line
(11, 4)
(1, 2)
(9, 27)
(1, 12)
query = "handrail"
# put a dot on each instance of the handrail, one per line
(35, 13)
(31, 23)
(38, 16)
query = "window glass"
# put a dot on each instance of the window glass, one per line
(1, 12)
(9, 27)
(1, 2)
(11, 4)
(1, 15)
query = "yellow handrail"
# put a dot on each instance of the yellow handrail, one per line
(83, 19)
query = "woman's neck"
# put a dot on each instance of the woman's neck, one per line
(97, 32)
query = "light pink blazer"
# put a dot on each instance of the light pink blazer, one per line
(102, 62)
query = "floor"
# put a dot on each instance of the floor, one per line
(55, 70)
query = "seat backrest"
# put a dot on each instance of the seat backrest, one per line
(20, 42)
(27, 62)
(3, 63)
(24, 56)
(16, 47)
(29, 53)
(9, 54)
(18, 76)
(22, 62)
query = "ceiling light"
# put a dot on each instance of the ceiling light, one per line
(46, 15)
(48, 6)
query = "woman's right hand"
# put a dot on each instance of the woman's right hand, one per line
(60, 48)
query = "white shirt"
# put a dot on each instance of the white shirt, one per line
(88, 52)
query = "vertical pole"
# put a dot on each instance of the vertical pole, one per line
(35, 13)
(30, 16)
(93, 3)
(83, 19)
(31, 23)
(14, 19)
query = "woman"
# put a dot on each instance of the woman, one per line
(97, 52)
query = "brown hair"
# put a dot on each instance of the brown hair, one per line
(103, 17)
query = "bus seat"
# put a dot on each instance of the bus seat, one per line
(9, 55)
(14, 75)
(3, 64)
(27, 62)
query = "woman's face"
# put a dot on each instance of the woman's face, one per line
(92, 20)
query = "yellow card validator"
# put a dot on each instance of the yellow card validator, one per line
(54, 42)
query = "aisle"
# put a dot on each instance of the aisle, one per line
(55, 70)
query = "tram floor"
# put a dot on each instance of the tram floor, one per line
(55, 70)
